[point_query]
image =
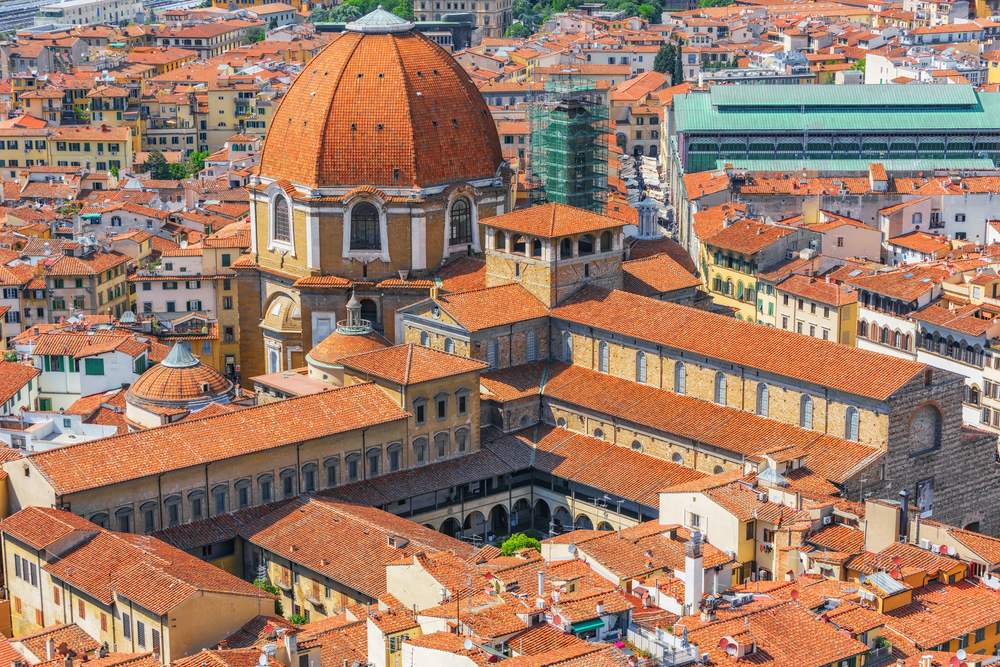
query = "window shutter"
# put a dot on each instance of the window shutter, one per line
(81, 609)
(55, 594)
(46, 362)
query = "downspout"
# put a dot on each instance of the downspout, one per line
(298, 468)
(364, 453)
(131, 615)
(510, 347)
(159, 498)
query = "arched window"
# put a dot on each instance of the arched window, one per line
(532, 346)
(897, 339)
(441, 441)
(561, 423)
(449, 346)
(729, 287)
(425, 339)
(500, 242)
(974, 395)
(862, 328)
(598, 433)
(568, 347)
(519, 245)
(677, 458)
(420, 451)
(282, 217)
(739, 289)
(885, 335)
(762, 399)
(806, 412)
(364, 228)
(585, 246)
(536, 248)
(640, 367)
(717, 284)
(636, 445)
(602, 361)
(680, 378)
(565, 249)
(461, 222)
(851, 424)
(720, 388)
(605, 241)
(718, 470)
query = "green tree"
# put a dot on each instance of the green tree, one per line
(273, 590)
(177, 172)
(714, 3)
(649, 13)
(114, 171)
(664, 60)
(273, 24)
(196, 162)
(157, 166)
(860, 66)
(11, 355)
(253, 35)
(205, 5)
(520, 541)
(346, 12)
(297, 619)
(517, 31)
(319, 15)
(527, 14)
(678, 73)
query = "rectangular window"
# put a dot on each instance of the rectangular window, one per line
(55, 595)
(17, 570)
(768, 535)
(785, 298)
(126, 626)
(140, 634)
(220, 502)
(104, 622)
(81, 609)
(751, 530)
(34, 575)
(310, 480)
(798, 327)
(243, 494)
(265, 491)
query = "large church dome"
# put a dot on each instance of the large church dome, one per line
(381, 106)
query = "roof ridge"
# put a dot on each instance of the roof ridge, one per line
(409, 360)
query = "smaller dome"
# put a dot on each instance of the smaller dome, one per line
(179, 381)
(283, 315)
(380, 22)
(340, 345)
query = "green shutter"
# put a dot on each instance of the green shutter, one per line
(47, 365)
(94, 367)
(72, 364)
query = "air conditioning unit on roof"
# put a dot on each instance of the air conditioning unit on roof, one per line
(925, 543)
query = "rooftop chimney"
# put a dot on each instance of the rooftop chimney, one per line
(50, 648)
(541, 584)
(694, 573)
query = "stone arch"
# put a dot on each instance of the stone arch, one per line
(519, 244)
(540, 515)
(474, 524)
(498, 523)
(500, 241)
(562, 518)
(605, 526)
(926, 428)
(451, 527)
(430, 526)
(583, 522)
(369, 311)
(520, 517)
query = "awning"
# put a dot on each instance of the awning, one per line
(91, 216)
(583, 626)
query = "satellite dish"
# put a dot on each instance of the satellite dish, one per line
(961, 654)
(723, 643)
(795, 594)
(732, 649)
(262, 660)
(897, 561)
(488, 576)
(572, 548)
(270, 649)
(862, 578)
(468, 644)
(184, 244)
(951, 551)
(954, 662)
(943, 549)
(557, 619)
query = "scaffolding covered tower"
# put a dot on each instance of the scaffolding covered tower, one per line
(568, 157)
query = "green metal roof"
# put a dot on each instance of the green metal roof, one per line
(583, 626)
(871, 95)
(860, 166)
(694, 112)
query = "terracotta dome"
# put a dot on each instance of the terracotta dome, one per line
(178, 381)
(382, 105)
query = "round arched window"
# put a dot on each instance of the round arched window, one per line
(282, 220)
(461, 222)
(365, 228)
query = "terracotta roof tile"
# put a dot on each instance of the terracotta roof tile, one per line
(79, 467)
(656, 275)
(411, 364)
(845, 368)
(552, 221)
(462, 274)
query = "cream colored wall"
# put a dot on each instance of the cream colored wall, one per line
(412, 585)
(202, 621)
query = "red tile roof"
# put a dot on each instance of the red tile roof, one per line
(76, 468)
(477, 309)
(845, 368)
(411, 364)
(747, 237)
(462, 274)
(552, 221)
(14, 377)
(360, 93)
(39, 527)
(656, 275)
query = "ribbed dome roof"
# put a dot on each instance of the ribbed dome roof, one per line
(180, 378)
(339, 345)
(385, 106)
